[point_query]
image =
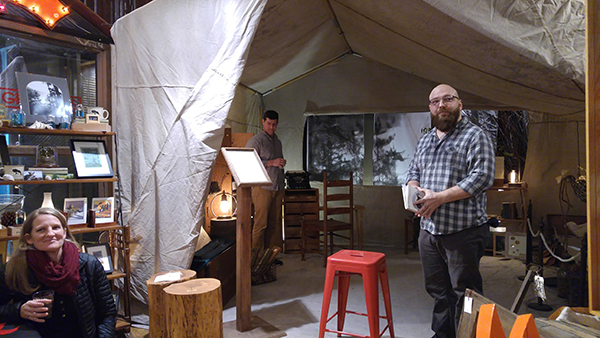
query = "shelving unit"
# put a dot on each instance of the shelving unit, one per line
(513, 230)
(119, 235)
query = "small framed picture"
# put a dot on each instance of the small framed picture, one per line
(76, 210)
(91, 159)
(104, 208)
(33, 175)
(102, 252)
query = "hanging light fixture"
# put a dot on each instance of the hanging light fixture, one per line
(227, 205)
(49, 12)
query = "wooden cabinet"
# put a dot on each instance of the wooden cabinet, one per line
(298, 203)
(118, 236)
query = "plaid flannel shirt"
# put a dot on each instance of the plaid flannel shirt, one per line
(464, 157)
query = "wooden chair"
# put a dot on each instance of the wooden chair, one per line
(338, 201)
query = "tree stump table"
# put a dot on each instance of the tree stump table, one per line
(156, 304)
(194, 309)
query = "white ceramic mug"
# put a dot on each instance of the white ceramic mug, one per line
(103, 113)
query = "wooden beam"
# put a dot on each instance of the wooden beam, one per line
(243, 298)
(593, 149)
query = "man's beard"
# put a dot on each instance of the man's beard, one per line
(447, 123)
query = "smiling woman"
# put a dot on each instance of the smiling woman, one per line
(46, 257)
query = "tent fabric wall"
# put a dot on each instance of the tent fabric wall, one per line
(173, 90)
(177, 64)
(528, 55)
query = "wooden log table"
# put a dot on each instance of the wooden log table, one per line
(156, 303)
(194, 309)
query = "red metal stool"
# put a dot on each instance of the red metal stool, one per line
(371, 266)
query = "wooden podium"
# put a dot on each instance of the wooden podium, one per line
(248, 171)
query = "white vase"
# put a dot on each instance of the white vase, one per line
(47, 203)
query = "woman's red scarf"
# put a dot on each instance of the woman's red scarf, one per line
(62, 277)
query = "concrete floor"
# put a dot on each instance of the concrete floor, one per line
(292, 304)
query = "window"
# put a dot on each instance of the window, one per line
(378, 148)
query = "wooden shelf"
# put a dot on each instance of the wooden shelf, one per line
(76, 230)
(65, 181)
(63, 132)
(118, 240)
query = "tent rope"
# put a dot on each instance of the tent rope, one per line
(541, 235)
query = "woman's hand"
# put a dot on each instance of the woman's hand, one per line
(35, 310)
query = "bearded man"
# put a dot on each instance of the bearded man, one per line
(454, 166)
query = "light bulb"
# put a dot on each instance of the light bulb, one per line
(224, 204)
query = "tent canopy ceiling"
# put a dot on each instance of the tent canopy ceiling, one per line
(528, 55)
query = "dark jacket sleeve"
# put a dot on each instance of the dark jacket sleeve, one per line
(95, 299)
(10, 301)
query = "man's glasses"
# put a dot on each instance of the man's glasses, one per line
(445, 99)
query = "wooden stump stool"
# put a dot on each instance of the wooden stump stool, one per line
(194, 309)
(156, 302)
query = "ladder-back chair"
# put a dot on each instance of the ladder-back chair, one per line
(338, 205)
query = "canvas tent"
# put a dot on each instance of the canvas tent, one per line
(185, 68)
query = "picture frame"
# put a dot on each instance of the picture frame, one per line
(4, 155)
(102, 253)
(33, 175)
(76, 210)
(104, 208)
(91, 159)
(44, 98)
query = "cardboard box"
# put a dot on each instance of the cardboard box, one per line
(14, 231)
(90, 126)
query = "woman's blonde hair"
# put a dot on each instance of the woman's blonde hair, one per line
(17, 271)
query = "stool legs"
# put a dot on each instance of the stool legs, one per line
(372, 299)
(329, 277)
(343, 287)
(385, 290)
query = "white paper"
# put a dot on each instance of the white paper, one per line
(168, 277)
(410, 195)
(468, 308)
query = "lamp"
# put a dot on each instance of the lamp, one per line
(512, 177)
(227, 206)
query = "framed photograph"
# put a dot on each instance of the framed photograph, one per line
(91, 159)
(44, 98)
(33, 175)
(102, 252)
(76, 210)
(104, 208)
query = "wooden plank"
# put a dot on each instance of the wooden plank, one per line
(468, 321)
(593, 151)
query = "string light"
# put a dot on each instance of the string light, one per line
(49, 12)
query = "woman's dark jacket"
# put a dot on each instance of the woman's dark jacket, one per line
(93, 301)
